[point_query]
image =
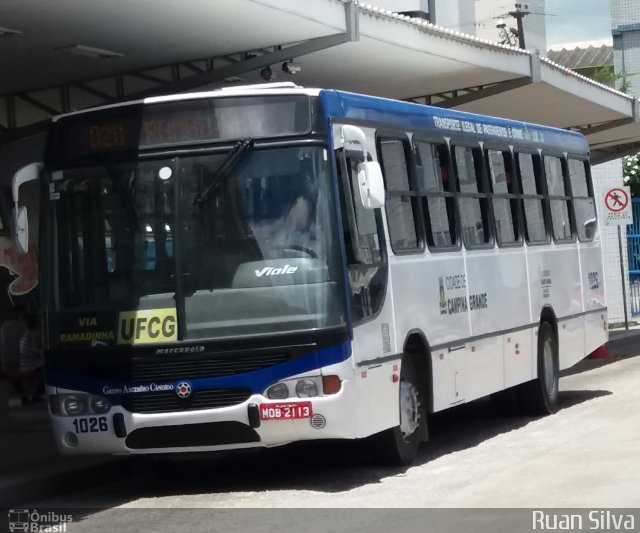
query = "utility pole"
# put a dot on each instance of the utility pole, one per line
(506, 33)
(521, 11)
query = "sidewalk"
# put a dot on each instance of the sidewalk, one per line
(31, 468)
(620, 332)
(624, 343)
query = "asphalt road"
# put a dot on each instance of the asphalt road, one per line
(584, 456)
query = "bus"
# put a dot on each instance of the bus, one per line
(253, 266)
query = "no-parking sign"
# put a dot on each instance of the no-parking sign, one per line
(616, 209)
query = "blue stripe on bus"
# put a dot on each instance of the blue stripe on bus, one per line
(256, 381)
(410, 116)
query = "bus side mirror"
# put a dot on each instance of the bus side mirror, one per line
(20, 223)
(353, 140)
(19, 215)
(370, 181)
(371, 185)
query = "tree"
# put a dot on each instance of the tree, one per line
(631, 173)
(607, 76)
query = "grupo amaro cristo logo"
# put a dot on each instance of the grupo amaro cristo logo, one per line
(35, 521)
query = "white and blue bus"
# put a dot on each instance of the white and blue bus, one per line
(254, 266)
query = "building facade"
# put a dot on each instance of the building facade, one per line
(586, 58)
(625, 22)
(625, 28)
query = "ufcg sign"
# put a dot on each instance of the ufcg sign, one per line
(147, 326)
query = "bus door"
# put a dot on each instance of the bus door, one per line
(370, 308)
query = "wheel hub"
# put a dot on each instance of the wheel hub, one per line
(409, 409)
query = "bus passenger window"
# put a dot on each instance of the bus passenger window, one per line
(558, 199)
(583, 204)
(437, 199)
(532, 199)
(505, 206)
(401, 206)
(473, 198)
(364, 244)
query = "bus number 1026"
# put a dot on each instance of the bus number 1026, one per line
(92, 424)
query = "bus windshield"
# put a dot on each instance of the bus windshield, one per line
(235, 243)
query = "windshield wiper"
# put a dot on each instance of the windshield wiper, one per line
(229, 163)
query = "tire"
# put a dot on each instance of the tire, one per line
(540, 396)
(398, 446)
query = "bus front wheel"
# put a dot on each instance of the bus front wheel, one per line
(540, 396)
(398, 446)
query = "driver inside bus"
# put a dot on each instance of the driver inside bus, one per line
(291, 233)
(295, 230)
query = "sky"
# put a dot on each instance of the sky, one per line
(571, 21)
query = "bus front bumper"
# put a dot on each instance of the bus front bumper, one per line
(246, 425)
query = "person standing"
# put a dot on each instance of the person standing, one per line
(11, 332)
(31, 359)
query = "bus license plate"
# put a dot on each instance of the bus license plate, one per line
(285, 411)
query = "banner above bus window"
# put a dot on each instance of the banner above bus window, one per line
(103, 328)
(130, 128)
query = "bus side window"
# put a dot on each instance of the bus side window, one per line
(583, 203)
(530, 185)
(559, 199)
(437, 199)
(364, 244)
(401, 202)
(504, 199)
(473, 201)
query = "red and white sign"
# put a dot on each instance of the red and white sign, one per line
(286, 411)
(617, 207)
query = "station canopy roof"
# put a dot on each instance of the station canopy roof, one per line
(64, 55)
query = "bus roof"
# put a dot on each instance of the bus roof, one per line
(260, 89)
(392, 113)
(415, 117)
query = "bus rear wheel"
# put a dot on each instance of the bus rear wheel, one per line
(398, 446)
(540, 396)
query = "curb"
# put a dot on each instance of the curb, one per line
(624, 343)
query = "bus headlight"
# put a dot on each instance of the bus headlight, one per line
(306, 388)
(99, 405)
(74, 404)
(78, 404)
(279, 391)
